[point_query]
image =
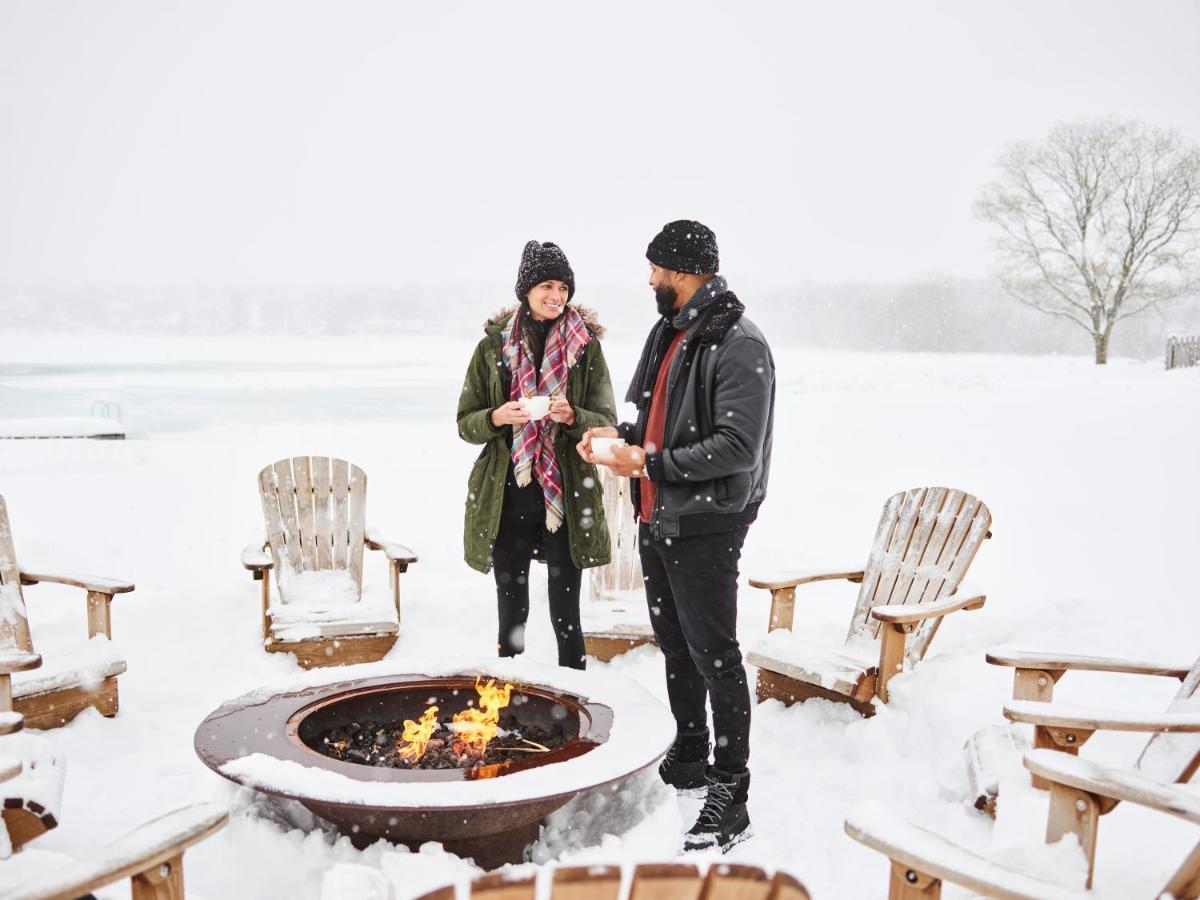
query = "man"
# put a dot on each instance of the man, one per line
(698, 456)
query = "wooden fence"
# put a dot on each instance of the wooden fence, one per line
(1183, 351)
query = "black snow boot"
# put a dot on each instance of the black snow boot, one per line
(723, 821)
(684, 765)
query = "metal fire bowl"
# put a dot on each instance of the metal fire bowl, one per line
(285, 726)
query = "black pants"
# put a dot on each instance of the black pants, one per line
(691, 587)
(515, 547)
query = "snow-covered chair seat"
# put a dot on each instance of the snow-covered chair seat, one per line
(315, 512)
(648, 881)
(70, 680)
(150, 855)
(924, 544)
(75, 671)
(1080, 792)
(995, 752)
(614, 618)
(615, 622)
(31, 800)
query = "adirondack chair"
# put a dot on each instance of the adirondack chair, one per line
(991, 752)
(70, 681)
(151, 856)
(649, 881)
(315, 512)
(1080, 790)
(615, 618)
(924, 544)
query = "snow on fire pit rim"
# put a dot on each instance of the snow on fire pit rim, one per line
(641, 732)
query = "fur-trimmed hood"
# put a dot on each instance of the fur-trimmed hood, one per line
(591, 319)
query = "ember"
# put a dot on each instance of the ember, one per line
(476, 737)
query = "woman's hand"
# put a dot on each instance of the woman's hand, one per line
(560, 411)
(510, 413)
(584, 447)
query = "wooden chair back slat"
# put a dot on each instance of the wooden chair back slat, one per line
(937, 519)
(306, 526)
(358, 522)
(14, 623)
(341, 513)
(315, 510)
(586, 883)
(733, 882)
(1174, 756)
(323, 512)
(666, 881)
(504, 887)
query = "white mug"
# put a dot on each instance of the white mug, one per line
(602, 448)
(536, 406)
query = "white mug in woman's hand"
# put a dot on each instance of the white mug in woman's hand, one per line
(602, 448)
(537, 407)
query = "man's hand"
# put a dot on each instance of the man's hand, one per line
(584, 447)
(628, 462)
(510, 413)
(560, 410)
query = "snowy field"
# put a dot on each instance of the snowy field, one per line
(1091, 475)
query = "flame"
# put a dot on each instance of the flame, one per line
(416, 735)
(475, 727)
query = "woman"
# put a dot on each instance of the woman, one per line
(529, 493)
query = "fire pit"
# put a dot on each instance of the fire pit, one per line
(473, 759)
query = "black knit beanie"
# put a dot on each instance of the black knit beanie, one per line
(685, 246)
(542, 262)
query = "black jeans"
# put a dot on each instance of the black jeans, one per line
(516, 545)
(691, 587)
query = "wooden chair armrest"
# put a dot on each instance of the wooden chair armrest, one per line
(1116, 784)
(908, 614)
(1061, 662)
(11, 722)
(921, 855)
(142, 850)
(12, 660)
(87, 582)
(1055, 715)
(256, 557)
(393, 551)
(807, 576)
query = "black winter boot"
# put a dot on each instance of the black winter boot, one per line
(683, 768)
(723, 821)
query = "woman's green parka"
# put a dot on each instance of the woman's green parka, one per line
(589, 391)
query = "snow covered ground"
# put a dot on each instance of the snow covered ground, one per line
(1091, 474)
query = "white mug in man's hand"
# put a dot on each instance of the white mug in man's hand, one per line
(602, 448)
(537, 407)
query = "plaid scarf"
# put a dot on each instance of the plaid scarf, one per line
(533, 444)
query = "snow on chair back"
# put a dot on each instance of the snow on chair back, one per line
(923, 546)
(14, 626)
(314, 508)
(1173, 756)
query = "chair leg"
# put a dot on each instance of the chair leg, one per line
(1185, 883)
(1076, 812)
(891, 658)
(266, 602)
(162, 882)
(910, 884)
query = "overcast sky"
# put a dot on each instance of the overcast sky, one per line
(302, 144)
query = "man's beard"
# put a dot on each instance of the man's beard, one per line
(665, 297)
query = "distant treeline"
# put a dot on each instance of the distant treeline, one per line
(934, 315)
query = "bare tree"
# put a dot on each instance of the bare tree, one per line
(1098, 222)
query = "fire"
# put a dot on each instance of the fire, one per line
(475, 727)
(416, 735)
